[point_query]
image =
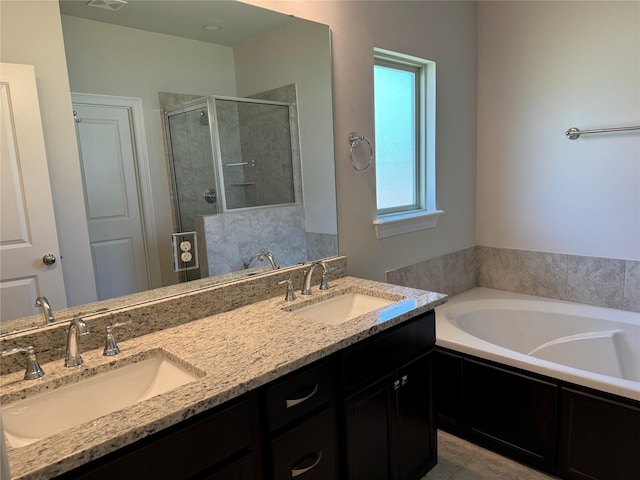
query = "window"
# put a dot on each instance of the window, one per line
(404, 96)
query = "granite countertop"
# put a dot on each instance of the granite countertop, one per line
(237, 351)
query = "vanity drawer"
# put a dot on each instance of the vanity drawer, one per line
(299, 394)
(308, 451)
(386, 351)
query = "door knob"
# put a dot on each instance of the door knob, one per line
(49, 259)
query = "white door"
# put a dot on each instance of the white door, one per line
(107, 156)
(28, 229)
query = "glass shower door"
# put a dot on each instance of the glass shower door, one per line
(193, 169)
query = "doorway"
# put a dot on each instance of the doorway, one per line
(119, 211)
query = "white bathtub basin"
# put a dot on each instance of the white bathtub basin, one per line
(339, 309)
(46, 414)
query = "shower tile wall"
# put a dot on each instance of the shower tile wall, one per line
(597, 281)
(288, 94)
(227, 240)
(319, 245)
(266, 137)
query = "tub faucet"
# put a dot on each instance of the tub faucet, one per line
(43, 303)
(261, 256)
(324, 284)
(77, 327)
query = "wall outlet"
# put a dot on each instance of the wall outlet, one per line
(185, 251)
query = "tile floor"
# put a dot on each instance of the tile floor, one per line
(460, 460)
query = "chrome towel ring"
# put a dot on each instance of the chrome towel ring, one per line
(354, 141)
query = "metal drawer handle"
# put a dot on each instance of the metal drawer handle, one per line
(295, 471)
(291, 402)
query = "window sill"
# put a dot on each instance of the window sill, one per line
(390, 225)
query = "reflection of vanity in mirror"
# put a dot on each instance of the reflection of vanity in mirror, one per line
(132, 72)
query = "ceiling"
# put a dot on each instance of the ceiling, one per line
(183, 18)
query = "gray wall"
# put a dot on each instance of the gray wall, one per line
(444, 32)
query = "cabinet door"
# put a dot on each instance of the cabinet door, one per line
(599, 439)
(511, 413)
(415, 433)
(369, 419)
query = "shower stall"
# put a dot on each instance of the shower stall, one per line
(229, 154)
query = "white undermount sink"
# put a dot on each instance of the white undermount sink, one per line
(343, 307)
(45, 414)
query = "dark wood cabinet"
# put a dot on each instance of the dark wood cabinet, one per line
(369, 419)
(242, 469)
(599, 438)
(308, 450)
(447, 391)
(511, 413)
(568, 430)
(389, 430)
(364, 413)
(208, 445)
(301, 424)
(498, 408)
(416, 432)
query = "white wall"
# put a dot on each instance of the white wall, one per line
(30, 33)
(276, 59)
(545, 67)
(113, 60)
(444, 32)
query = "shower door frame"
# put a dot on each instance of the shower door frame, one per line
(217, 153)
(175, 201)
(221, 201)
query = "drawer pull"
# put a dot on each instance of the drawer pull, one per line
(296, 471)
(405, 379)
(292, 402)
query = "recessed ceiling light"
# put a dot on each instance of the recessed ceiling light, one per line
(212, 28)
(111, 5)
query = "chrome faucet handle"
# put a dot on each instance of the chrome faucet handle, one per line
(290, 296)
(110, 346)
(33, 367)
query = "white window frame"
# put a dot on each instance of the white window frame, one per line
(423, 214)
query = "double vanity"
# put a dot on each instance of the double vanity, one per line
(335, 384)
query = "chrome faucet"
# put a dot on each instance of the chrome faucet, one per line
(77, 327)
(324, 283)
(42, 302)
(261, 256)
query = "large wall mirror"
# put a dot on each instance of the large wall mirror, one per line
(131, 63)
